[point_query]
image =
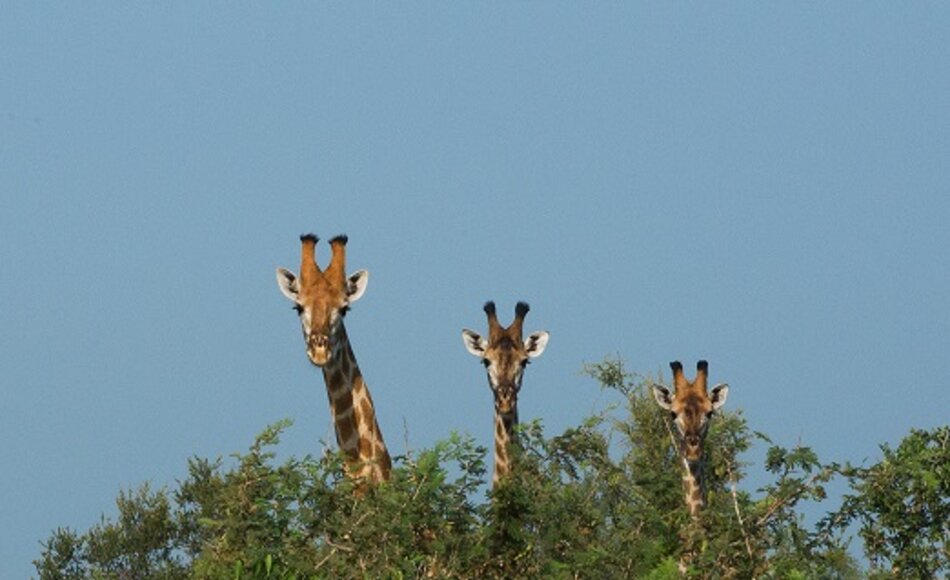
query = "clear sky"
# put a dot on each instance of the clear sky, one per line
(764, 185)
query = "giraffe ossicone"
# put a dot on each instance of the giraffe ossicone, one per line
(505, 355)
(321, 299)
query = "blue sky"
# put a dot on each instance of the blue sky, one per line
(763, 186)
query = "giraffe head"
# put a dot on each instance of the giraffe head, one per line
(505, 355)
(321, 298)
(690, 407)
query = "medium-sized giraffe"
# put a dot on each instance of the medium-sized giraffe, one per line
(505, 356)
(321, 299)
(690, 407)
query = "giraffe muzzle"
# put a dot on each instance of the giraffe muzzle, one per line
(693, 448)
(318, 349)
(505, 399)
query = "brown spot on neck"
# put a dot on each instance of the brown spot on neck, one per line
(345, 430)
(335, 379)
(366, 414)
(367, 448)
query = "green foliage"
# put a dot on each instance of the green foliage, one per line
(62, 556)
(139, 544)
(602, 499)
(902, 505)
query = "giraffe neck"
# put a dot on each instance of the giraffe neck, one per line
(354, 416)
(695, 491)
(694, 488)
(505, 437)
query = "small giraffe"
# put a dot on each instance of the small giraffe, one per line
(321, 299)
(690, 408)
(505, 356)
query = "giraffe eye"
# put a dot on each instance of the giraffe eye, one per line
(299, 309)
(486, 362)
(672, 415)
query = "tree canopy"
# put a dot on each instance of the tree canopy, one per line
(602, 499)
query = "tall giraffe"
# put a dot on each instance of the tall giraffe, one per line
(321, 299)
(690, 408)
(505, 356)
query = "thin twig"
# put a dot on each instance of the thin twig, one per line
(338, 546)
(326, 558)
(735, 504)
(673, 442)
(415, 494)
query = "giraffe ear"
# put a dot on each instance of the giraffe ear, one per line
(474, 343)
(534, 344)
(287, 283)
(663, 397)
(356, 285)
(718, 395)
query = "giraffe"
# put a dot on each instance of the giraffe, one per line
(690, 408)
(321, 299)
(505, 356)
